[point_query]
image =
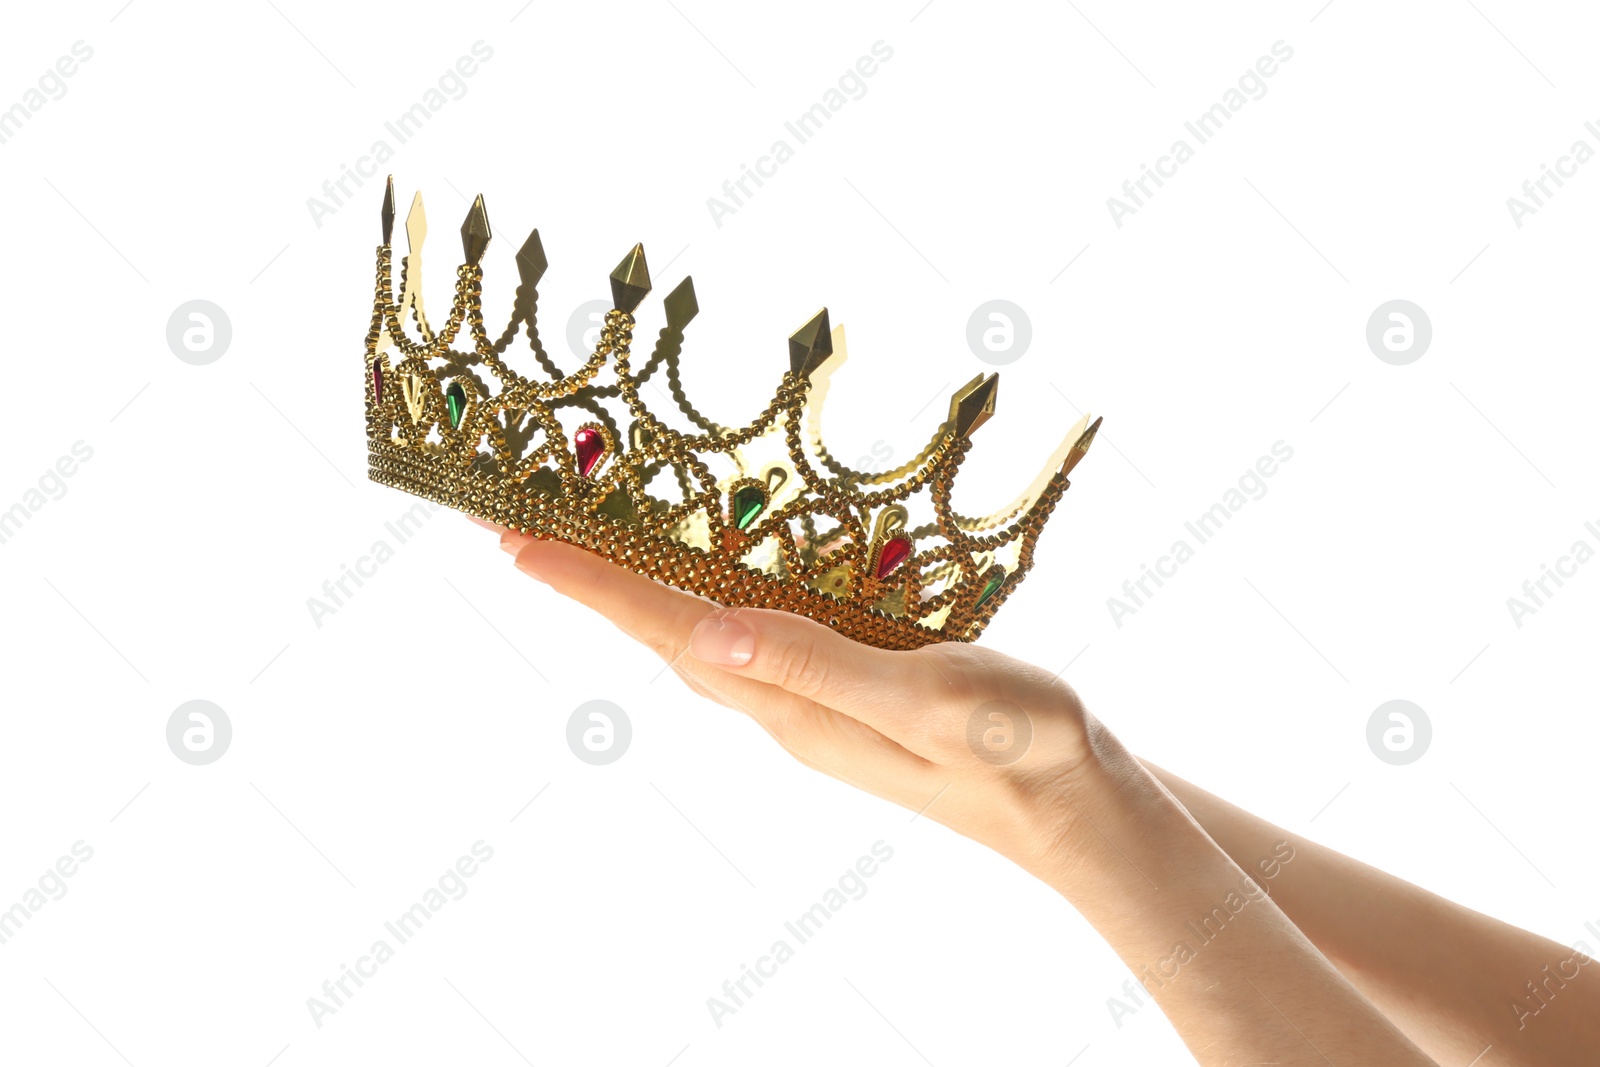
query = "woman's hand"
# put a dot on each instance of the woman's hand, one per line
(995, 748)
(1005, 753)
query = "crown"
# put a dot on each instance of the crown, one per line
(758, 515)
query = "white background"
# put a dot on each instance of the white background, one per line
(370, 752)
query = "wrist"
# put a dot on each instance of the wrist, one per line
(1104, 825)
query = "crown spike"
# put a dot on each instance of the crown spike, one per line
(475, 232)
(973, 404)
(630, 282)
(388, 211)
(811, 344)
(758, 515)
(1080, 447)
(416, 224)
(680, 305)
(531, 263)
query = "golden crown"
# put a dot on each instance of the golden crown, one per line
(757, 516)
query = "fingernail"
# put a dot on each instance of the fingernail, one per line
(523, 565)
(722, 640)
(486, 524)
(512, 541)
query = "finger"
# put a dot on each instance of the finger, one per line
(511, 541)
(897, 693)
(817, 734)
(656, 615)
(825, 740)
(664, 619)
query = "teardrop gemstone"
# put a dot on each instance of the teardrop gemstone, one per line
(377, 383)
(894, 552)
(748, 502)
(589, 445)
(455, 399)
(989, 588)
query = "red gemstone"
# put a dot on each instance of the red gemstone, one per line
(894, 552)
(590, 446)
(377, 383)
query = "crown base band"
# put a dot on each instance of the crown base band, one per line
(661, 559)
(755, 514)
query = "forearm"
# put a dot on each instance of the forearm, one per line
(1455, 980)
(1237, 980)
(1072, 806)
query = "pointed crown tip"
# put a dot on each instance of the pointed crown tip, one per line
(973, 404)
(681, 304)
(475, 232)
(811, 344)
(630, 282)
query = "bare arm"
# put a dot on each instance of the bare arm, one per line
(1456, 981)
(1075, 809)
(1233, 974)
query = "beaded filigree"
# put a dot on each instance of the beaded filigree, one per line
(759, 515)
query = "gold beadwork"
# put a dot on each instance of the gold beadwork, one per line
(510, 461)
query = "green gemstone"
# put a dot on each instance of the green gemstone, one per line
(455, 399)
(748, 502)
(990, 587)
